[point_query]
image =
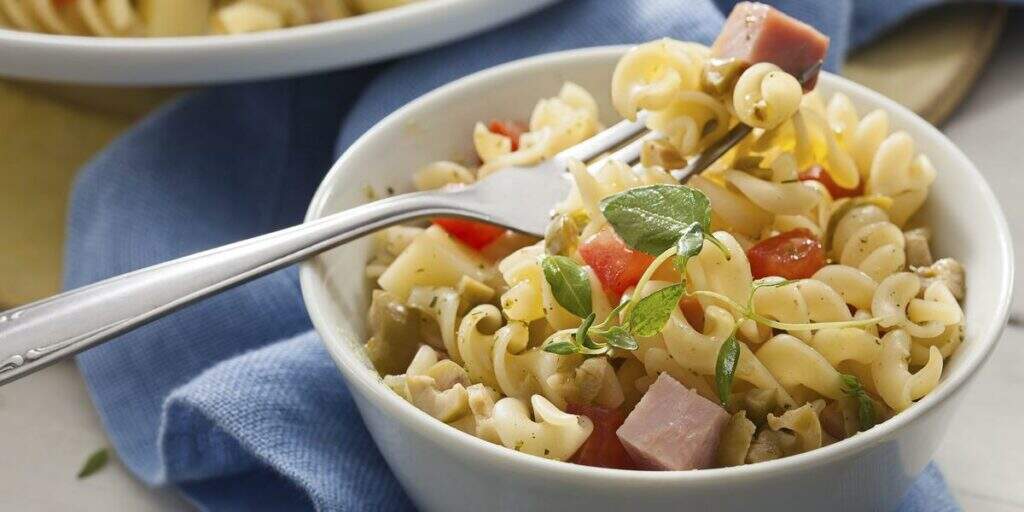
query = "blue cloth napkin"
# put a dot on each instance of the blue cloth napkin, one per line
(234, 401)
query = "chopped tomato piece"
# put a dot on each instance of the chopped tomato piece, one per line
(617, 266)
(818, 173)
(472, 233)
(603, 448)
(693, 312)
(510, 129)
(795, 254)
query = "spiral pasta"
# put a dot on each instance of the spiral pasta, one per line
(556, 124)
(831, 316)
(167, 18)
(765, 96)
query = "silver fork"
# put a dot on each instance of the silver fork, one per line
(41, 333)
(521, 198)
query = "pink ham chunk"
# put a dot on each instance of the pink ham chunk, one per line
(759, 33)
(673, 428)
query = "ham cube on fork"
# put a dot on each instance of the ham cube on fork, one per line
(756, 32)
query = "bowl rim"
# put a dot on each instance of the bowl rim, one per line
(359, 23)
(399, 410)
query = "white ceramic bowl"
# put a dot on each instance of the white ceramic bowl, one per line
(210, 59)
(446, 470)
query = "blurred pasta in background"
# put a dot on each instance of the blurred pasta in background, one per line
(167, 18)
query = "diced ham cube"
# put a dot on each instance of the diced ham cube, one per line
(756, 32)
(673, 428)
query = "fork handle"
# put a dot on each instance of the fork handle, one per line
(41, 333)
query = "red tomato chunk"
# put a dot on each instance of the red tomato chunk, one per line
(694, 312)
(510, 129)
(603, 448)
(474, 234)
(795, 254)
(818, 173)
(617, 266)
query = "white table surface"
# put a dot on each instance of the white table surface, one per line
(48, 426)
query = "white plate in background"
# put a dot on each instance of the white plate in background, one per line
(226, 58)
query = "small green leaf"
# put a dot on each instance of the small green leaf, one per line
(582, 334)
(866, 412)
(569, 283)
(865, 405)
(689, 245)
(725, 367)
(562, 348)
(620, 338)
(94, 463)
(651, 313)
(653, 218)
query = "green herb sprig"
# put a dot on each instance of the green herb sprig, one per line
(865, 405)
(668, 222)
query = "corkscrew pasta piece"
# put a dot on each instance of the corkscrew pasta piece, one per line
(650, 75)
(853, 285)
(894, 381)
(736, 439)
(441, 174)
(698, 352)
(168, 18)
(804, 423)
(547, 432)
(765, 96)
(441, 305)
(793, 362)
(555, 124)
(792, 198)
(896, 304)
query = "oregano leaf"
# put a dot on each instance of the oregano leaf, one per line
(725, 367)
(653, 218)
(651, 313)
(570, 284)
(618, 337)
(562, 348)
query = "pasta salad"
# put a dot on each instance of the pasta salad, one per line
(166, 18)
(781, 301)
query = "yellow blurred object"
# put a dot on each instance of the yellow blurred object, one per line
(49, 131)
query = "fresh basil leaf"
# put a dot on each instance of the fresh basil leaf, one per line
(562, 348)
(865, 405)
(725, 367)
(569, 283)
(96, 461)
(620, 338)
(653, 218)
(650, 313)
